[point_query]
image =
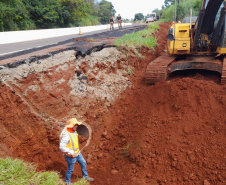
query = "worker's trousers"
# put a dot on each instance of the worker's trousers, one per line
(71, 163)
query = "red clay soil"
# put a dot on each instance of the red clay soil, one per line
(171, 133)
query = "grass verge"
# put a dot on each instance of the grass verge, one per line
(138, 39)
(17, 172)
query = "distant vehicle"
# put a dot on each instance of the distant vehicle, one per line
(151, 18)
(187, 19)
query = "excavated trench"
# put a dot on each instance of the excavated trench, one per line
(170, 133)
(38, 97)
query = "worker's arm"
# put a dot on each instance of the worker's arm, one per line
(63, 143)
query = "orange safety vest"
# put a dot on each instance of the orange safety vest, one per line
(73, 144)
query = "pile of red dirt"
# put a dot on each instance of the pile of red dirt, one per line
(169, 133)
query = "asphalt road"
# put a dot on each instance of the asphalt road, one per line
(14, 50)
(20, 46)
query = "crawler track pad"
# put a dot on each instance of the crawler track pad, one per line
(157, 70)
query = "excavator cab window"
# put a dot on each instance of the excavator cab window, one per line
(218, 36)
(207, 1)
(218, 15)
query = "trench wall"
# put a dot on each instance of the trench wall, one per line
(38, 97)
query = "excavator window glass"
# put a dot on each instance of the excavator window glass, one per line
(207, 1)
(218, 15)
(187, 19)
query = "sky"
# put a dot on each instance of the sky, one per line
(128, 8)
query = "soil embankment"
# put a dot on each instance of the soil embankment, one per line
(170, 133)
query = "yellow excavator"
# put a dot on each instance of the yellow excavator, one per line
(194, 46)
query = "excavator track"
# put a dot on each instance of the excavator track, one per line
(157, 70)
(223, 74)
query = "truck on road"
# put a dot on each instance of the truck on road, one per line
(151, 17)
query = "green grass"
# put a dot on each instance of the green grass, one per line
(139, 39)
(166, 20)
(125, 150)
(17, 172)
(130, 71)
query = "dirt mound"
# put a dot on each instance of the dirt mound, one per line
(169, 133)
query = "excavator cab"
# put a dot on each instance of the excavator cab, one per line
(199, 45)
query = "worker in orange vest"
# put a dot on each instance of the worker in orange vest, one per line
(70, 148)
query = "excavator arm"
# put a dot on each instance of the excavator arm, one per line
(205, 23)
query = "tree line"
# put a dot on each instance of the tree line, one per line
(167, 10)
(45, 14)
(183, 9)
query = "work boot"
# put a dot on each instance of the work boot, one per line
(89, 178)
